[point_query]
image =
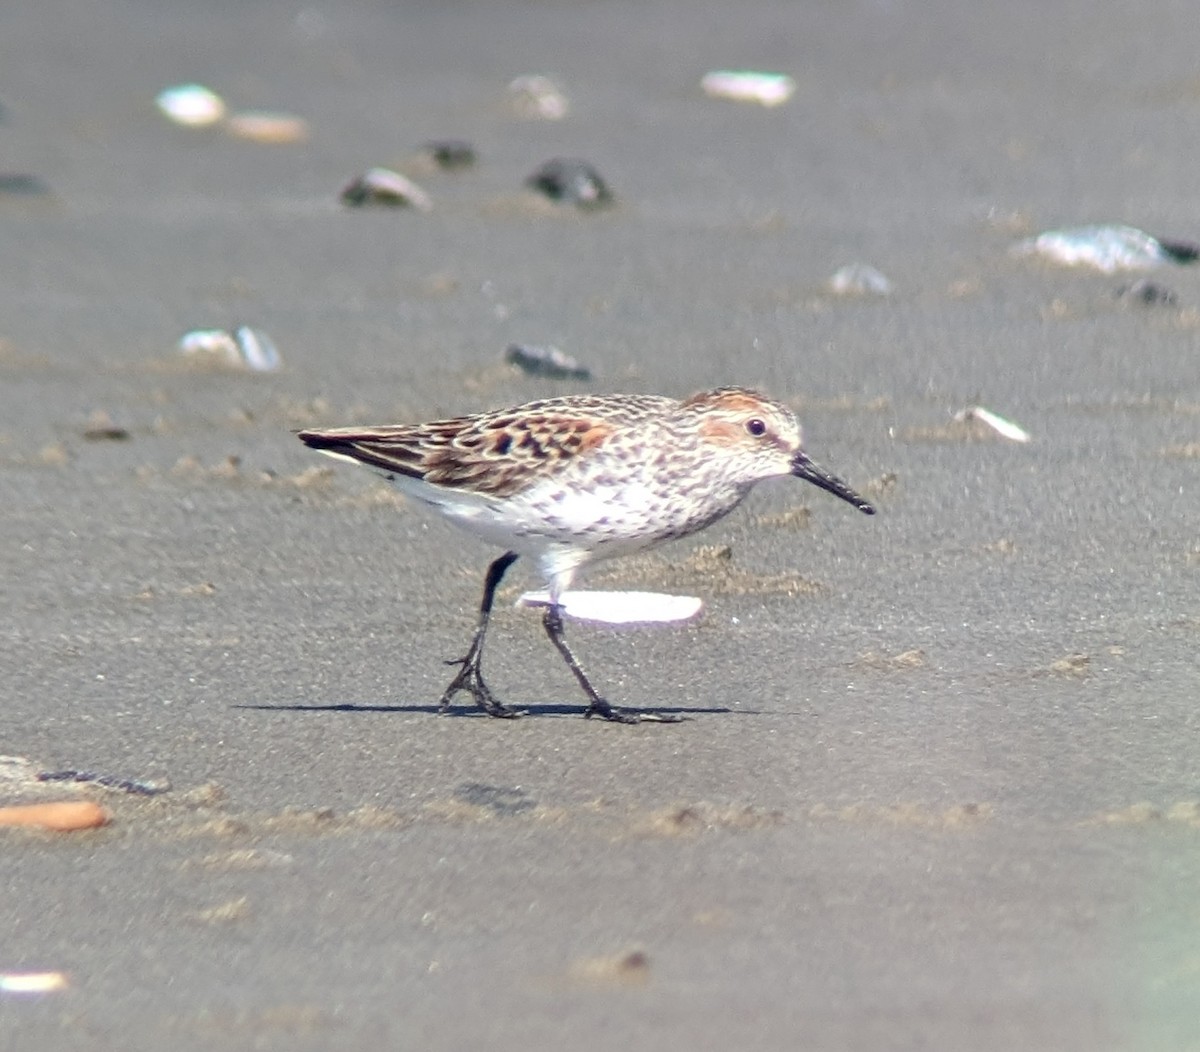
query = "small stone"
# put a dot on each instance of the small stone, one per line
(451, 154)
(22, 185)
(100, 428)
(571, 181)
(545, 361)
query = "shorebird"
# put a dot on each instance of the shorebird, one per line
(567, 481)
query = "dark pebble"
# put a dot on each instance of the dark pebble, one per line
(575, 182)
(28, 185)
(1180, 251)
(451, 153)
(546, 361)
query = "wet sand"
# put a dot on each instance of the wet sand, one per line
(937, 784)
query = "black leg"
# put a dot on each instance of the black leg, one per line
(552, 622)
(470, 675)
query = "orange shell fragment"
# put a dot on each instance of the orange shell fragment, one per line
(62, 815)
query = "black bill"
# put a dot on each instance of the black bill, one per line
(803, 468)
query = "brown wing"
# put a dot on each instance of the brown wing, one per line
(496, 454)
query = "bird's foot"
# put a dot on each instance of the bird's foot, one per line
(600, 707)
(470, 678)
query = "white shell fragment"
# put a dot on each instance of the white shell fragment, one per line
(193, 105)
(745, 85)
(243, 348)
(382, 186)
(1107, 248)
(859, 279)
(537, 96)
(620, 608)
(32, 982)
(1004, 428)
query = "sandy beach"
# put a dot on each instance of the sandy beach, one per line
(936, 787)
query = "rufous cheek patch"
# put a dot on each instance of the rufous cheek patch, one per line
(723, 433)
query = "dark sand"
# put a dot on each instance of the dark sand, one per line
(989, 843)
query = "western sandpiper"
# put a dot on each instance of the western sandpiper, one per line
(567, 481)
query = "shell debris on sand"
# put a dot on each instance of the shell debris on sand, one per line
(195, 106)
(571, 181)
(630, 967)
(101, 428)
(382, 186)
(229, 912)
(620, 608)
(243, 348)
(267, 126)
(62, 816)
(747, 85)
(22, 184)
(549, 362)
(192, 105)
(32, 982)
(450, 154)
(1076, 666)
(137, 786)
(536, 96)
(860, 279)
(1004, 428)
(1107, 248)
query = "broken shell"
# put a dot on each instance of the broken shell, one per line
(744, 85)
(860, 279)
(576, 182)
(193, 105)
(620, 608)
(62, 816)
(32, 982)
(215, 342)
(451, 153)
(1004, 428)
(382, 186)
(244, 348)
(1108, 248)
(266, 127)
(257, 350)
(537, 96)
(546, 361)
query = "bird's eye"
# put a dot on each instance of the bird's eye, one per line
(756, 427)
